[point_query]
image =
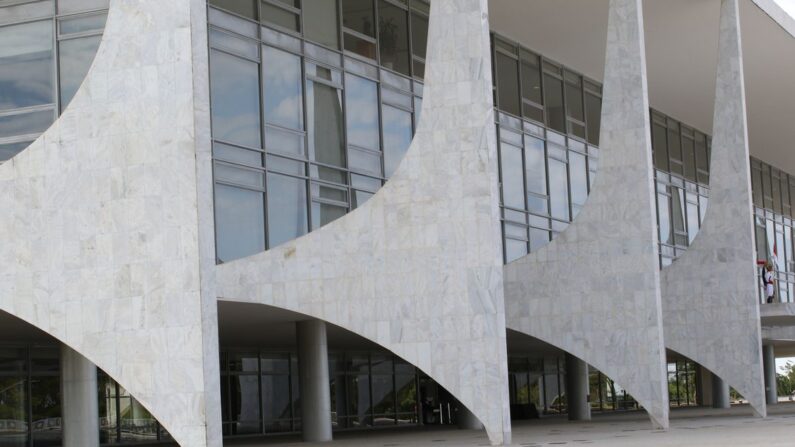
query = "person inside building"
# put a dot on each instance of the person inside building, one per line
(770, 290)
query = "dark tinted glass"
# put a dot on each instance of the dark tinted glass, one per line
(689, 158)
(358, 15)
(553, 101)
(660, 146)
(46, 405)
(593, 117)
(279, 16)
(531, 78)
(245, 403)
(234, 88)
(276, 402)
(419, 35)
(393, 37)
(75, 58)
(246, 8)
(574, 106)
(320, 22)
(239, 222)
(13, 407)
(28, 70)
(508, 84)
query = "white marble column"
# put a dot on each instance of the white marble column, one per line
(710, 306)
(577, 389)
(769, 363)
(79, 404)
(314, 381)
(608, 255)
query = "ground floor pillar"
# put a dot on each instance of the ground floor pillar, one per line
(769, 363)
(79, 406)
(314, 380)
(720, 393)
(577, 389)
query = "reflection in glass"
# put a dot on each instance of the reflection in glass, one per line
(82, 24)
(361, 107)
(357, 15)
(287, 217)
(282, 88)
(324, 213)
(27, 61)
(320, 22)
(419, 36)
(246, 8)
(324, 117)
(512, 178)
(578, 179)
(234, 88)
(593, 117)
(137, 424)
(10, 149)
(397, 137)
(558, 190)
(75, 57)
(531, 78)
(245, 403)
(46, 405)
(359, 399)
(26, 123)
(276, 403)
(13, 411)
(393, 39)
(664, 214)
(239, 222)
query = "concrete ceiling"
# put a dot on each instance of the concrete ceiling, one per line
(681, 52)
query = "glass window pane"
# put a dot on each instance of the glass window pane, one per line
(324, 115)
(359, 46)
(287, 208)
(70, 6)
(659, 143)
(531, 78)
(245, 403)
(693, 224)
(108, 418)
(246, 8)
(383, 400)
(75, 59)
(393, 37)
(320, 22)
(323, 213)
(512, 176)
(82, 24)
(508, 84)
(538, 239)
(281, 17)
(46, 405)
(239, 222)
(358, 15)
(593, 117)
(10, 149)
(25, 123)
(26, 55)
(359, 400)
(558, 190)
(664, 214)
(406, 386)
(578, 178)
(282, 83)
(276, 403)
(419, 35)
(553, 101)
(678, 208)
(361, 105)
(13, 408)
(514, 249)
(536, 165)
(689, 158)
(397, 137)
(17, 11)
(574, 106)
(234, 89)
(13, 360)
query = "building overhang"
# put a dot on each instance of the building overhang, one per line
(681, 52)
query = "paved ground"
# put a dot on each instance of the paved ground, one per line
(689, 427)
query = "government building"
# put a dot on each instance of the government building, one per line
(269, 218)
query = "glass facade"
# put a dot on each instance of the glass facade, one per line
(46, 49)
(314, 105)
(774, 197)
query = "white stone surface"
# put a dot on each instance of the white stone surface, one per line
(418, 268)
(710, 304)
(594, 290)
(101, 245)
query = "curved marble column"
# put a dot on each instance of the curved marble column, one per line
(100, 243)
(418, 267)
(710, 304)
(594, 290)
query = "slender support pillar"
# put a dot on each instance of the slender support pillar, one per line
(467, 420)
(720, 393)
(314, 380)
(80, 411)
(577, 389)
(769, 362)
(703, 387)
